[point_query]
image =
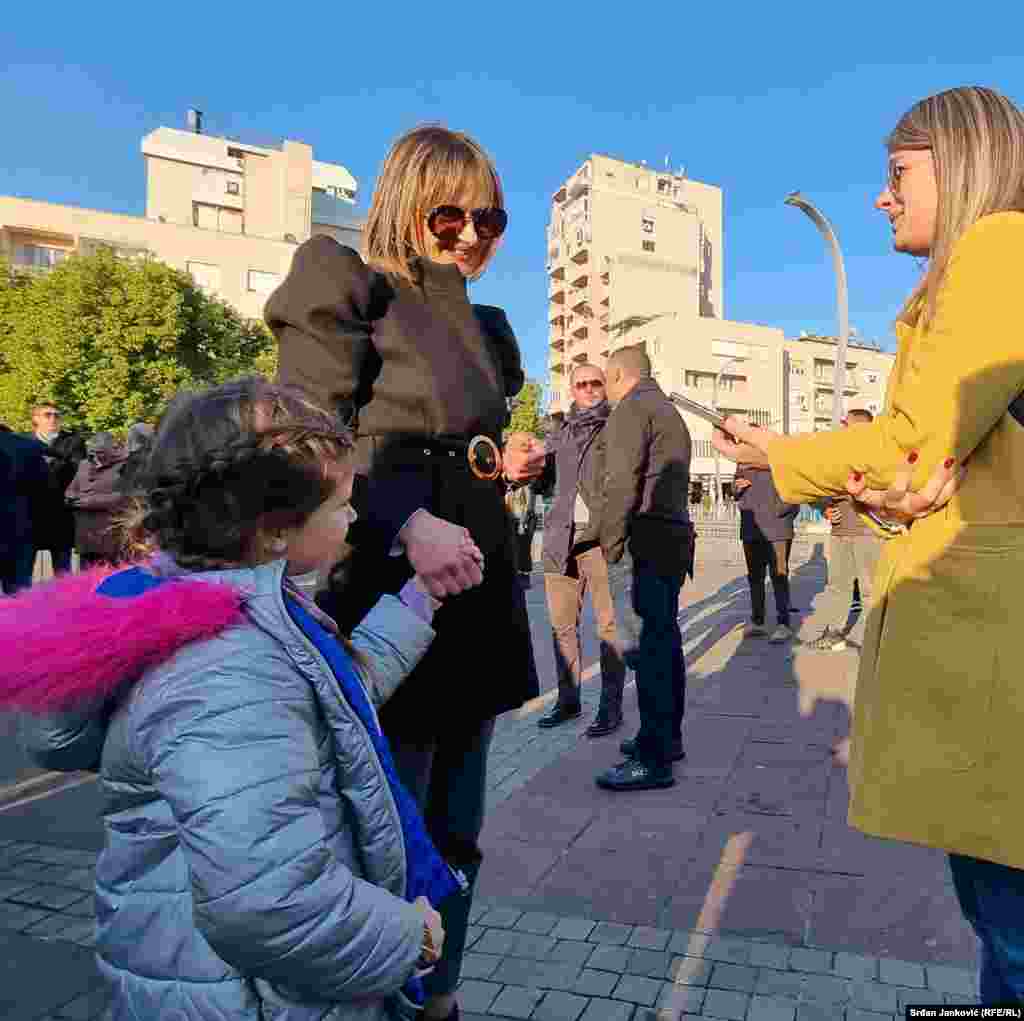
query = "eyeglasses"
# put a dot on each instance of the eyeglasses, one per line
(589, 384)
(49, 414)
(446, 223)
(895, 174)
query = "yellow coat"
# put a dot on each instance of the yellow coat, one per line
(937, 755)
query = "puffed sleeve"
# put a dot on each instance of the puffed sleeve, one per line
(320, 317)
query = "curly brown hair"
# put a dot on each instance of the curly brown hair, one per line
(230, 462)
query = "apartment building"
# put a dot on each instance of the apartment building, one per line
(228, 212)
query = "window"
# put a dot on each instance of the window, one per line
(648, 246)
(39, 256)
(233, 187)
(210, 217)
(262, 282)
(206, 276)
(647, 224)
(663, 187)
(89, 246)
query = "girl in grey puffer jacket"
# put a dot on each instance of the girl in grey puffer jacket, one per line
(261, 859)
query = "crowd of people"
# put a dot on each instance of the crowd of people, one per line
(327, 613)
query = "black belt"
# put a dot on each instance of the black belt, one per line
(481, 454)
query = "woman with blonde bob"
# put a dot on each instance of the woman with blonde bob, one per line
(391, 343)
(937, 756)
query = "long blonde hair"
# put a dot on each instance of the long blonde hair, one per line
(426, 167)
(976, 137)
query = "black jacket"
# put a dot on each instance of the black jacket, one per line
(574, 465)
(24, 483)
(54, 524)
(647, 482)
(408, 364)
(764, 516)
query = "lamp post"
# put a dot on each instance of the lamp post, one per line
(842, 299)
(714, 404)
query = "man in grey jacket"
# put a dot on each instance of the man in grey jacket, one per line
(647, 539)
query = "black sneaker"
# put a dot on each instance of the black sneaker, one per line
(628, 748)
(559, 715)
(604, 723)
(633, 775)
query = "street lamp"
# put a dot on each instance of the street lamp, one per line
(842, 299)
(714, 404)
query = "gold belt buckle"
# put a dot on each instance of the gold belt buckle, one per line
(484, 458)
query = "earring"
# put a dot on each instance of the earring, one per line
(278, 546)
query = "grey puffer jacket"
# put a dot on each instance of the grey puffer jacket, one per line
(254, 865)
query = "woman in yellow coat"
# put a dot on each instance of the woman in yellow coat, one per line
(937, 754)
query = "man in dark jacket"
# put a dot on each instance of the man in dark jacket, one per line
(97, 496)
(54, 525)
(23, 480)
(573, 561)
(647, 539)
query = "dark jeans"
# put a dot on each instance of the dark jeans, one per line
(16, 569)
(447, 775)
(768, 558)
(585, 571)
(647, 611)
(992, 899)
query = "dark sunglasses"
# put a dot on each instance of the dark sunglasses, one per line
(593, 384)
(446, 223)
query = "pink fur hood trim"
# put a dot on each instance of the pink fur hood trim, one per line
(63, 645)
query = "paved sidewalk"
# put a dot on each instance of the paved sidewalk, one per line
(740, 893)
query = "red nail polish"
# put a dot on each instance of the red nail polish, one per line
(950, 461)
(912, 457)
(857, 476)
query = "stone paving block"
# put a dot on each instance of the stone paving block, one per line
(951, 980)
(692, 944)
(764, 1008)
(86, 1008)
(15, 916)
(816, 1012)
(476, 995)
(479, 965)
(648, 938)
(677, 998)
(638, 990)
(10, 886)
(857, 966)
(573, 928)
(81, 879)
(773, 983)
(924, 997)
(496, 941)
(516, 1001)
(538, 948)
(47, 896)
(874, 996)
(733, 976)
(901, 973)
(517, 971)
(569, 951)
(826, 989)
(689, 971)
(856, 1014)
(500, 918)
(536, 922)
(596, 983)
(725, 1003)
(731, 951)
(607, 1010)
(807, 959)
(607, 958)
(652, 963)
(611, 933)
(477, 911)
(769, 955)
(473, 933)
(55, 927)
(560, 1007)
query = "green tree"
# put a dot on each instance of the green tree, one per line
(111, 340)
(527, 416)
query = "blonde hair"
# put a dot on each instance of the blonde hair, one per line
(976, 137)
(427, 167)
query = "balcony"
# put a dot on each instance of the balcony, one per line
(557, 318)
(556, 292)
(558, 273)
(606, 278)
(556, 361)
(580, 332)
(582, 254)
(580, 281)
(333, 212)
(581, 306)
(559, 197)
(558, 342)
(577, 187)
(580, 357)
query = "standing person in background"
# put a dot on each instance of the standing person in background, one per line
(23, 484)
(766, 531)
(393, 346)
(853, 551)
(54, 525)
(98, 499)
(573, 561)
(137, 446)
(647, 541)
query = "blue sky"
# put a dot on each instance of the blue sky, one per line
(759, 102)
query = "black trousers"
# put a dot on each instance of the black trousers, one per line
(768, 558)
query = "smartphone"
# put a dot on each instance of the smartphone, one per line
(700, 410)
